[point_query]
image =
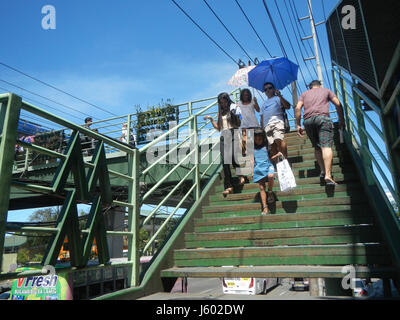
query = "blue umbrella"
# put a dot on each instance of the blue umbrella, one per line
(279, 71)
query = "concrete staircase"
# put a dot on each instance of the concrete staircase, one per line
(312, 231)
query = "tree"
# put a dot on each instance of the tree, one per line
(45, 215)
(36, 244)
(23, 256)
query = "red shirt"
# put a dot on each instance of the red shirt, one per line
(316, 102)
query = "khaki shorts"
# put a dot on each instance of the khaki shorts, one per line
(275, 131)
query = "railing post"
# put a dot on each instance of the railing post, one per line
(9, 115)
(133, 217)
(128, 139)
(367, 163)
(196, 159)
(390, 134)
(26, 159)
(347, 113)
(190, 107)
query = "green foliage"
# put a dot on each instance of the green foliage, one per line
(156, 117)
(166, 232)
(44, 215)
(143, 238)
(37, 257)
(23, 256)
(36, 244)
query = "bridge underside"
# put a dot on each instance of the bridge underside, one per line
(43, 175)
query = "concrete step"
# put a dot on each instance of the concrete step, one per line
(276, 237)
(281, 221)
(254, 193)
(348, 177)
(288, 205)
(361, 254)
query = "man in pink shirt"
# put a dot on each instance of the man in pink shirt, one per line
(318, 125)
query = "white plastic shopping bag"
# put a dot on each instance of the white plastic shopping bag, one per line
(286, 177)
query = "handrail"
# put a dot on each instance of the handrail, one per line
(44, 114)
(361, 131)
(135, 198)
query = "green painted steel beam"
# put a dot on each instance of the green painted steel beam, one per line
(9, 114)
(67, 224)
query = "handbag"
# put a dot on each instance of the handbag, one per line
(286, 177)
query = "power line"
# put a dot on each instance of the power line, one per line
(277, 36)
(322, 53)
(290, 42)
(55, 88)
(230, 33)
(43, 97)
(275, 30)
(297, 39)
(202, 30)
(301, 26)
(248, 20)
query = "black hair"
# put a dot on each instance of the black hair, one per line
(314, 83)
(243, 92)
(221, 111)
(269, 83)
(260, 132)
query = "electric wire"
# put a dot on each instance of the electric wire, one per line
(275, 30)
(55, 88)
(202, 30)
(291, 45)
(255, 31)
(296, 24)
(297, 40)
(302, 28)
(230, 33)
(319, 45)
(43, 97)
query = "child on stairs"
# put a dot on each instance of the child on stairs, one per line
(263, 169)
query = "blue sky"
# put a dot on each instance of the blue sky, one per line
(121, 53)
(117, 54)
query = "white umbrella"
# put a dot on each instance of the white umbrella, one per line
(240, 78)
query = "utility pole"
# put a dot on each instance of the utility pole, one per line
(314, 37)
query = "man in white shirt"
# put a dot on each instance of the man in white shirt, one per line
(272, 118)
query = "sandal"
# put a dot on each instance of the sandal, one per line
(330, 182)
(227, 191)
(263, 213)
(270, 197)
(242, 181)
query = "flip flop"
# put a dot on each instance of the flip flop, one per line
(264, 213)
(330, 182)
(227, 191)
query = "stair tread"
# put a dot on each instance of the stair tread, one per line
(308, 189)
(283, 203)
(284, 232)
(256, 218)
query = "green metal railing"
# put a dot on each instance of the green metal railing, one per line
(88, 172)
(371, 138)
